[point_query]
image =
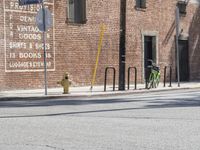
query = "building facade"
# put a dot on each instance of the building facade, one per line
(72, 41)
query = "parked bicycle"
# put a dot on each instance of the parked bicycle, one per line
(154, 76)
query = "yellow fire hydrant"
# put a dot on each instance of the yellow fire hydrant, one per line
(65, 82)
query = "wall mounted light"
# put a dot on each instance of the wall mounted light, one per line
(182, 5)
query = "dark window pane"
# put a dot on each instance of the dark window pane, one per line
(77, 11)
(138, 3)
(141, 3)
(71, 11)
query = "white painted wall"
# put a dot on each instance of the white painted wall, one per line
(194, 1)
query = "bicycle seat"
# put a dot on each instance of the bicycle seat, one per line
(156, 68)
(150, 61)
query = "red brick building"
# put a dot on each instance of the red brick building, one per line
(72, 47)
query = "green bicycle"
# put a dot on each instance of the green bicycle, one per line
(154, 77)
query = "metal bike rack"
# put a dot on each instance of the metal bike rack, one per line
(129, 69)
(105, 81)
(170, 76)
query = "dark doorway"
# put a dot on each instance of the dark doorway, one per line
(149, 52)
(183, 60)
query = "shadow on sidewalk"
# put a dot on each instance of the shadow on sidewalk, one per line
(57, 102)
(157, 103)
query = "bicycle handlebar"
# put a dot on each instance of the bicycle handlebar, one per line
(153, 65)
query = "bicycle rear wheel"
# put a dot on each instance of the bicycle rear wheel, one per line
(150, 82)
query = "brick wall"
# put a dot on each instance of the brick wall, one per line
(159, 17)
(194, 43)
(76, 45)
(2, 74)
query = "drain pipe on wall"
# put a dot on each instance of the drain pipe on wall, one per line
(177, 46)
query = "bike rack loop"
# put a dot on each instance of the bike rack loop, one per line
(170, 75)
(105, 81)
(129, 69)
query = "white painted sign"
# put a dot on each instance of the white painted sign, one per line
(23, 40)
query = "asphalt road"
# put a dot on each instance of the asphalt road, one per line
(151, 121)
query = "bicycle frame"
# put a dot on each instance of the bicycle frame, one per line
(154, 78)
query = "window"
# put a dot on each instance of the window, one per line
(140, 3)
(76, 11)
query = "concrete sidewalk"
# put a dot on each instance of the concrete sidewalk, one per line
(76, 92)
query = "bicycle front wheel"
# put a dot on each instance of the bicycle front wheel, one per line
(157, 80)
(150, 82)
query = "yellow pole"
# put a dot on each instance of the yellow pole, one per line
(102, 30)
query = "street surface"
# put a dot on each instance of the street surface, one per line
(150, 121)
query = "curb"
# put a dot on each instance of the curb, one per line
(106, 94)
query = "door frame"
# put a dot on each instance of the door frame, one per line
(143, 34)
